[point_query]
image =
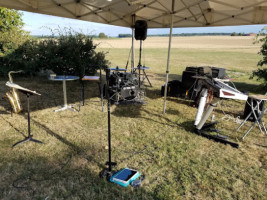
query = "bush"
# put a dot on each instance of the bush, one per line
(70, 53)
(261, 72)
(22, 58)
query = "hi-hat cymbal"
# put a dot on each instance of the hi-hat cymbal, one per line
(117, 69)
(142, 68)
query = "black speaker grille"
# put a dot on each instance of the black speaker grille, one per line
(140, 28)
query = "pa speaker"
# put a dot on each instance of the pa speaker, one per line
(140, 28)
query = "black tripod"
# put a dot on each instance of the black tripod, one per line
(107, 172)
(29, 137)
(140, 67)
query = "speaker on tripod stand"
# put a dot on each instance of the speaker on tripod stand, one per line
(140, 30)
(140, 33)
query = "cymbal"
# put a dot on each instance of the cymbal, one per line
(118, 69)
(142, 68)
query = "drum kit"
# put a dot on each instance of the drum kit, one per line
(123, 87)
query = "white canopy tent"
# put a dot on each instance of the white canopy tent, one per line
(157, 13)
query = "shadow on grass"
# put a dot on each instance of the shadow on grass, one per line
(188, 126)
(153, 93)
(181, 101)
(62, 178)
(162, 77)
(74, 147)
(51, 93)
(131, 111)
(134, 111)
(254, 88)
(14, 127)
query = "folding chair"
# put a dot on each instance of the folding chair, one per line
(257, 111)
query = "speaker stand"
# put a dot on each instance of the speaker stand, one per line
(139, 65)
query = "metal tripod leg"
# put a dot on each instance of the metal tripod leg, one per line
(255, 116)
(256, 121)
(147, 78)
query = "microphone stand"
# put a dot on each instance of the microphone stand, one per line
(107, 172)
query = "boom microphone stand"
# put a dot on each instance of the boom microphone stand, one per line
(107, 172)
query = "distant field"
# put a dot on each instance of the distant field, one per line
(239, 44)
(236, 54)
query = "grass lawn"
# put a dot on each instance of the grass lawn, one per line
(177, 163)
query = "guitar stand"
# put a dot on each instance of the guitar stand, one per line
(210, 127)
(29, 137)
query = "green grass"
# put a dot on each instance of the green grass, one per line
(177, 163)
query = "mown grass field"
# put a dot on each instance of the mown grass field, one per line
(177, 163)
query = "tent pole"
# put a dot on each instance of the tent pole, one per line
(132, 58)
(168, 59)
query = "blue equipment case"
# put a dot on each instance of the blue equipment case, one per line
(116, 178)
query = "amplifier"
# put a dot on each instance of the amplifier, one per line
(174, 89)
(188, 80)
(216, 72)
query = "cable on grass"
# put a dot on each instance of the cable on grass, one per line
(228, 117)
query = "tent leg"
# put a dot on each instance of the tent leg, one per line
(132, 58)
(168, 62)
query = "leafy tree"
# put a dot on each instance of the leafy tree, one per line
(102, 35)
(11, 33)
(261, 72)
(234, 34)
(9, 19)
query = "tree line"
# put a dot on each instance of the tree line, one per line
(187, 34)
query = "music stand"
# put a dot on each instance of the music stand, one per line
(28, 93)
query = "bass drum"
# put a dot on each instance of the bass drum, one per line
(129, 92)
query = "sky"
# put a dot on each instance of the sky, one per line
(39, 24)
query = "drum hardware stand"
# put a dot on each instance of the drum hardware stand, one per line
(29, 137)
(139, 69)
(108, 172)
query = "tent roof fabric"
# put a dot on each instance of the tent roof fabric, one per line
(186, 13)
